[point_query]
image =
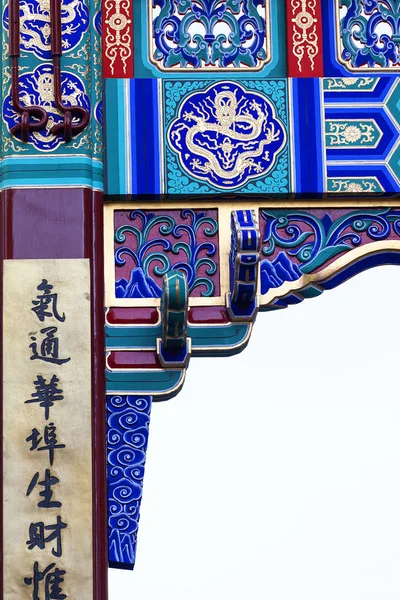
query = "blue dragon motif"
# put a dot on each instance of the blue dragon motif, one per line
(38, 89)
(35, 25)
(227, 135)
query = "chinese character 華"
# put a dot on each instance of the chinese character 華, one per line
(46, 394)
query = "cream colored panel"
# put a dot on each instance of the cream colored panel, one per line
(23, 375)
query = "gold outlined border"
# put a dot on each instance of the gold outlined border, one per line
(351, 257)
(224, 225)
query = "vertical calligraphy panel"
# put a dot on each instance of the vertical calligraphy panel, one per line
(64, 559)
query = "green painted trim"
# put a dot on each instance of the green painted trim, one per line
(224, 337)
(152, 382)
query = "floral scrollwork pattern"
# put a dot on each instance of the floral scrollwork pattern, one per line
(118, 38)
(155, 244)
(305, 37)
(302, 243)
(210, 34)
(370, 33)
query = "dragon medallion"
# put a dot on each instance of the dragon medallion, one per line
(227, 135)
(35, 25)
(38, 90)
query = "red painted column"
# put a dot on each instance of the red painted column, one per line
(304, 38)
(117, 39)
(67, 223)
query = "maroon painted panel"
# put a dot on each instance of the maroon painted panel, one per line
(133, 359)
(206, 315)
(68, 223)
(133, 316)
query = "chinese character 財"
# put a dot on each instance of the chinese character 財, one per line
(46, 303)
(38, 539)
(50, 441)
(47, 492)
(52, 578)
(48, 351)
(46, 394)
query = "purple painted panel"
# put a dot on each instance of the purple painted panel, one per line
(148, 244)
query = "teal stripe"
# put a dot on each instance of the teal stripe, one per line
(202, 337)
(115, 136)
(44, 171)
(143, 382)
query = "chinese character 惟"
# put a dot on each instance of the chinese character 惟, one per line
(38, 539)
(50, 441)
(46, 303)
(47, 492)
(52, 578)
(48, 350)
(46, 394)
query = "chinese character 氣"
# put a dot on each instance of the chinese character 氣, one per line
(50, 441)
(48, 350)
(52, 578)
(47, 492)
(38, 539)
(46, 303)
(46, 394)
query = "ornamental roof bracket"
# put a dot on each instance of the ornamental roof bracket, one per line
(174, 347)
(40, 115)
(242, 300)
(76, 118)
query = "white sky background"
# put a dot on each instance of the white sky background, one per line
(275, 474)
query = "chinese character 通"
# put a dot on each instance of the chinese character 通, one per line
(48, 347)
(52, 577)
(46, 394)
(50, 440)
(46, 303)
(37, 536)
(47, 493)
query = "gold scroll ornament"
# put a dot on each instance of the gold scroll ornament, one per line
(72, 464)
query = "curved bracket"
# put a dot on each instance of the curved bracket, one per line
(242, 301)
(174, 347)
(76, 118)
(37, 112)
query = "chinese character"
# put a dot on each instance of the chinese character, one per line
(52, 577)
(48, 347)
(46, 394)
(47, 493)
(50, 440)
(46, 304)
(37, 537)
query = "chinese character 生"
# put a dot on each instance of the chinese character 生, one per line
(47, 492)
